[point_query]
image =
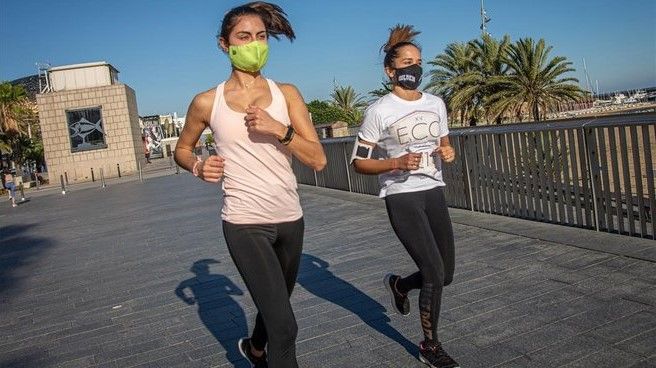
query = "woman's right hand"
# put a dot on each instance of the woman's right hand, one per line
(211, 169)
(408, 162)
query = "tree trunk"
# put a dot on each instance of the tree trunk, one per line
(536, 112)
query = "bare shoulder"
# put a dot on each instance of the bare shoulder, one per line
(290, 91)
(204, 99)
(201, 106)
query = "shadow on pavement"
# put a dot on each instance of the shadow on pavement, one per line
(317, 279)
(217, 309)
(17, 251)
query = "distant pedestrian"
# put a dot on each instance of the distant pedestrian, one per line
(410, 127)
(257, 125)
(146, 147)
(8, 181)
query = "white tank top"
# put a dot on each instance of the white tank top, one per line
(259, 185)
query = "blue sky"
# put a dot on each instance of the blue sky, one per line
(166, 50)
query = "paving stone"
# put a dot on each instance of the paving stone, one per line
(643, 344)
(607, 358)
(105, 278)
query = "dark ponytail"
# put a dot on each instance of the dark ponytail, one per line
(273, 17)
(400, 35)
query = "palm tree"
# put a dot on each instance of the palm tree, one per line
(489, 61)
(456, 61)
(20, 137)
(12, 99)
(349, 102)
(534, 82)
(5, 143)
(380, 92)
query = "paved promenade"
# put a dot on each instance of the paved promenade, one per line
(138, 275)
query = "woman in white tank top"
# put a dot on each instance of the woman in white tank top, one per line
(257, 125)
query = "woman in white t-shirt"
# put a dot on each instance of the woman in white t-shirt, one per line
(410, 129)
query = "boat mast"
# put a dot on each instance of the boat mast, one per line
(587, 78)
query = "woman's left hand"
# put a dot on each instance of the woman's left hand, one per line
(446, 153)
(259, 121)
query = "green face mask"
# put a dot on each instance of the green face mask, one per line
(250, 57)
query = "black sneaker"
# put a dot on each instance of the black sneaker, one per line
(244, 345)
(435, 357)
(400, 301)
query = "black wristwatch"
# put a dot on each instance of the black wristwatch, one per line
(288, 136)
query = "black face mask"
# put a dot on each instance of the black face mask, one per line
(409, 77)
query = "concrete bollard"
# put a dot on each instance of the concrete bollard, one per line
(140, 172)
(63, 186)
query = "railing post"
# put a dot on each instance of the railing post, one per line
(590, 163)
(468, 186)
(346, 165)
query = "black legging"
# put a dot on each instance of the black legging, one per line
(422, 223)
(267, 257)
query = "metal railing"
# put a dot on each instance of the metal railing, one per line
(594, 173)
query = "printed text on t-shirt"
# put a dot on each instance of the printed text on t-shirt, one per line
(418, 126)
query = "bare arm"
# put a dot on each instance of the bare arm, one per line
(198, 116)
(305, 145)
(409, 161)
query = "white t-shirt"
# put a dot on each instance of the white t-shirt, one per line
(399, 126)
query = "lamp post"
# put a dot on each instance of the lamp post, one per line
(484, 20)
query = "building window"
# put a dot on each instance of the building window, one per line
(85, 129)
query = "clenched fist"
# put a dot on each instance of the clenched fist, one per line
(259, 121)
(446, 153)
(211, 169)
(409, 161)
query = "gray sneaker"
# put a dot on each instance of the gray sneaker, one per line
(244, 345)
(400, 302)
(434, 356)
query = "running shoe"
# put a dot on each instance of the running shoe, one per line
(434, 356)
(244, 345)
(400, 302)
